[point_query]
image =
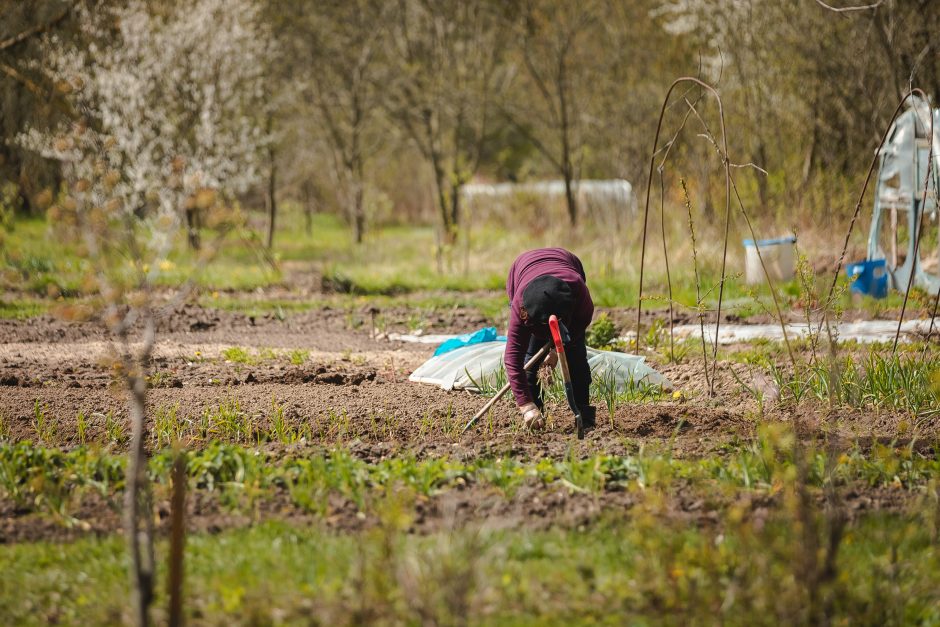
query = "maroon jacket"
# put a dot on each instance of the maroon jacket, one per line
(559, 263)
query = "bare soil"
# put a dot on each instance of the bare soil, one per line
(351, 389)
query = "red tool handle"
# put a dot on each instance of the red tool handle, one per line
(565, 374)
(556, 336)
(559, 347)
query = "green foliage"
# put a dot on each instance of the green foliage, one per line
(21, 309)
(114, 428)
(280, 429)
(168, 428)
(238, 355)
(298, 356)
(227, 422)
(42, 424)
(622, 568)
(602, 332)
(81, 427)
(900, 382)
(46, 479)
(763, 553)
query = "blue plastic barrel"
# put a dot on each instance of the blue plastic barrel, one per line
(871, 277)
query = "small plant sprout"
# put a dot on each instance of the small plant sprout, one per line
(227, 422)
(298, 357)
(238, 355)
(113, 428)
(267, 354)
(81, 427)
(45, 429)
(605, 386)
(281, 431)
(4, 428)
(168, 428)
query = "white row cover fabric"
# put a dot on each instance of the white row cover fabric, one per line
(466, 368)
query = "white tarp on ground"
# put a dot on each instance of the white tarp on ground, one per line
(865, 331)
(465, 368)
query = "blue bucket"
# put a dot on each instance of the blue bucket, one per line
(871, 277)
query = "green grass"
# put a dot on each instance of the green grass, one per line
(21, 309)
(905, 383)
(395, 261)
(749, 565)
(642, 569)
(239, 355)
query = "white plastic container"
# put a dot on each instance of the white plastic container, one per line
(779, 256)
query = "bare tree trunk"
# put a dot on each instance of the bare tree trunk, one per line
(136, 505)
(450, 230)
(570, 198)
(359, 218)
(566, 165)
(308, 207)
(271, 198)
(192, 227)
(440, 182)
(762, 190)
(455, 206)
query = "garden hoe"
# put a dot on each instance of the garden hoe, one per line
(535, 361)
(557, 328)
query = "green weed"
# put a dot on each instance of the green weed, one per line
(228, 422)
(900, 382)
(298, 357)
(238, 355)
(44, 427)
(81, 427)
(280, 430)
(168, 428)
(114, 429)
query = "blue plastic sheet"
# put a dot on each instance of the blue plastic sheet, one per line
(486, 334)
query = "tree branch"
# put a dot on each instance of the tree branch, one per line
(26, 34)
(30, 84)
(862, 7)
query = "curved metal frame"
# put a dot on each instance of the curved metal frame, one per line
(729, 184)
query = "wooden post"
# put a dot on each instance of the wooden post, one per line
(177, 540)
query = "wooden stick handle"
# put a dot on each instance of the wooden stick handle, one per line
(536, 359)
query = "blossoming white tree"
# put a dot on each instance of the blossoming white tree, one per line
(168, 127)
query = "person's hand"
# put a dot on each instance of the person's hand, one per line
(551, 360)
(532, 417)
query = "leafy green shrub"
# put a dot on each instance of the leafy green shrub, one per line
(602, 333)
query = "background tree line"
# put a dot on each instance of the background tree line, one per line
(382, 110)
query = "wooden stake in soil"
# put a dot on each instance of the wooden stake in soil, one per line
(177, 540)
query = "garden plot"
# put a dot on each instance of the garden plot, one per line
(309, 425)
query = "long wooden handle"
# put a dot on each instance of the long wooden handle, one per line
(553, 325)
(536, 359)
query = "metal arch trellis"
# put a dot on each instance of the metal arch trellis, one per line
(914, 91)
(723, 154)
